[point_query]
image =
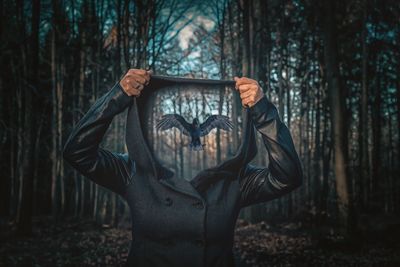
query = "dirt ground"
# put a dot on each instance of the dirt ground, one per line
(84, 243)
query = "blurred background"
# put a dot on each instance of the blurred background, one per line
(331, 67)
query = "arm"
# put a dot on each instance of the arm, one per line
(284, 172)
(82, 151)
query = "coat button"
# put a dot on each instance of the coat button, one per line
(199, 205)
(200, 242)
(168, 201)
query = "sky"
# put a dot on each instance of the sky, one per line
(187, 33)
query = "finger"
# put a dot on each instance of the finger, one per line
(131, 91)
(131, 82)
(240, 83)
(138, 86)
(246, 87)
(248, 100)
(245, 103)
(134, 92)
(139, 78)
(245, 80)
(136, 80)
(137, 71)
(246, 93)
(147, 77)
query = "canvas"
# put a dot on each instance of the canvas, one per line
(192, 126)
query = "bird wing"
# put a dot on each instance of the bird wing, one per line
(169, 121)
(215, 121)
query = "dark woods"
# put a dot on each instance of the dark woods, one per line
(331, 67)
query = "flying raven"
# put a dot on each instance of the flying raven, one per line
(195, 130)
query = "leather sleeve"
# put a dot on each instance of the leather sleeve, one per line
(82, 149)
(284, 172)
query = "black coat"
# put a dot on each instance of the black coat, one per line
(176, 222)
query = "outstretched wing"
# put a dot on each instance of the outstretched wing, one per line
(169, 121)
(215, 121)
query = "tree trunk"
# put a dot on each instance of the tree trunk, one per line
(24, 212)
(337, 112)
(376, 188)
(364, 153)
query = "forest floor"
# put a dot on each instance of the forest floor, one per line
(85, 243)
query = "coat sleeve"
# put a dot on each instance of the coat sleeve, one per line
(284, 172)
(82, 149)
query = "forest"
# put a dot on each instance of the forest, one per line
(331, 67)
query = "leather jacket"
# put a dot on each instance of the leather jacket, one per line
(176, 222)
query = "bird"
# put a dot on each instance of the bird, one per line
(194, 130)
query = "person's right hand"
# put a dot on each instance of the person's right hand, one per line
(134, 81)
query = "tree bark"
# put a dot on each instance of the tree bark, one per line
(24, 213)
(335, 90)
(364, 153)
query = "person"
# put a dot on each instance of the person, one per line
(177, 222)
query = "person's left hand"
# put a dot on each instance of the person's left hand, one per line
(250, 91)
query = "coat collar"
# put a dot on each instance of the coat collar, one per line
(145, 161)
